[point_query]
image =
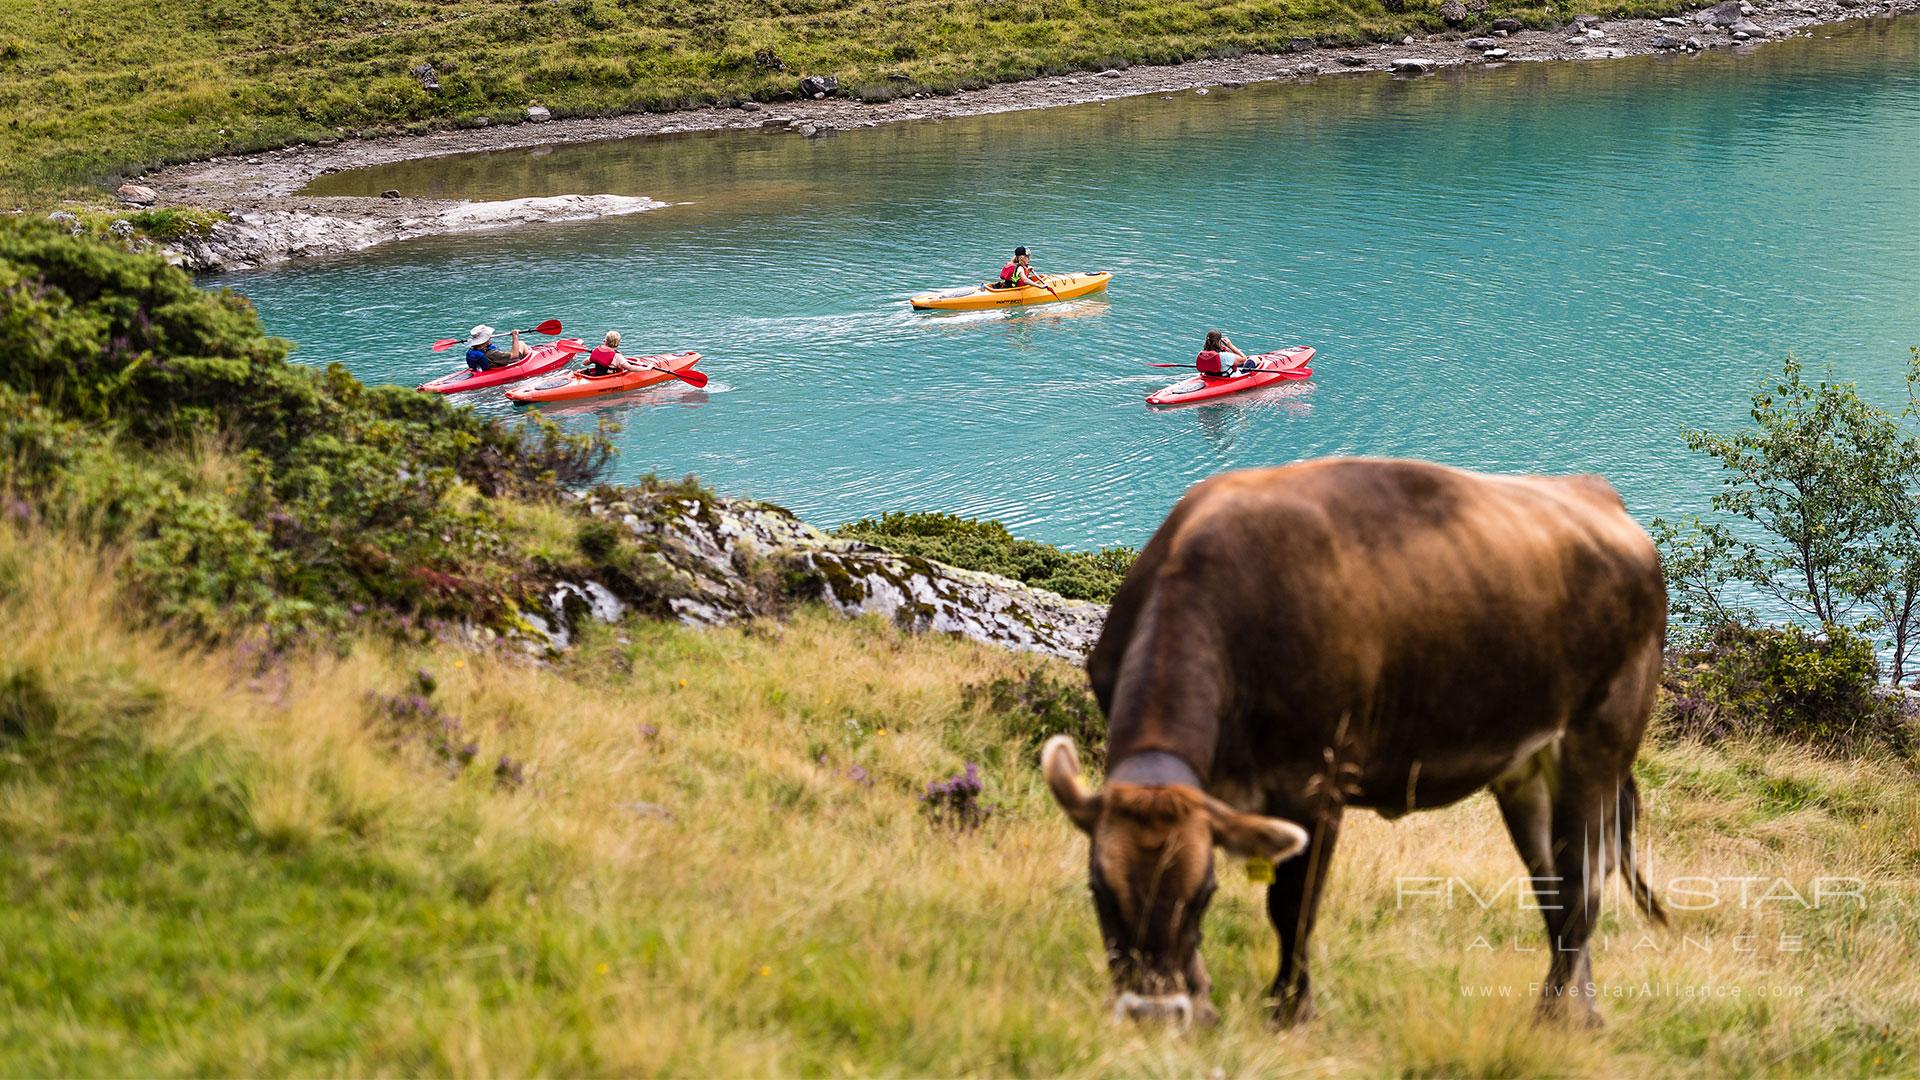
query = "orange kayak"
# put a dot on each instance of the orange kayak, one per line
(579, 384)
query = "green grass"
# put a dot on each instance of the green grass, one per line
(92, 90)
(213, 867)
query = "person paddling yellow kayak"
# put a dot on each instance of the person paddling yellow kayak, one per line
(1018, 283)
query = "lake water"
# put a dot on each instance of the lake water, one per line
(1549, 267)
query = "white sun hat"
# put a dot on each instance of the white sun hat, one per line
(480, 335)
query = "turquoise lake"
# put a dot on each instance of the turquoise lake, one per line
(1540, 267)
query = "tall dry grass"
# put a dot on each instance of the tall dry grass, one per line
(718, 864)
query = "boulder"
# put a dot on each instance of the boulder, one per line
(1110, 73)
(121, 228)
(749, 106)
(1673, 21)
(818, 86)
(1748, 27)
(1411, 65)
(538, 114)
(429, 78)
(1453, 12)
(1694, 44)
(1494, 54)
(390, 193)
(1300, 44)
(1601, 52)
(1480, 44)
(136, 194)
(1352, 61)
(1507, 26)
(1581, 22)
(1662, 41)
(1725, 14)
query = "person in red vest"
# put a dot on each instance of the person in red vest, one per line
(1213, 357)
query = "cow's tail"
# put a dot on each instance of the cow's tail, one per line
(1626, 815)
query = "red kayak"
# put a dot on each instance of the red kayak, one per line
(579, 384)
(1275, 367)
(538, 362)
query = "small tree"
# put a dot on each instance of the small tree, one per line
(1830, 487)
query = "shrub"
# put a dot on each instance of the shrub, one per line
(1784, 681)
(1036, 705)
(987, 546)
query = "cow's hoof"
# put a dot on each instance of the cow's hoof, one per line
(1282, 1015)
(1561, 1013)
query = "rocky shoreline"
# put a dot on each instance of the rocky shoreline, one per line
(712, 560)
(269, 220)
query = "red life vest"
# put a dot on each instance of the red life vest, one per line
(1208, 362)
(1009, 273)
(602, 357)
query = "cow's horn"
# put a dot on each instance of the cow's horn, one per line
(1061, 766)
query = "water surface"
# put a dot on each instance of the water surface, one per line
(1541, 267)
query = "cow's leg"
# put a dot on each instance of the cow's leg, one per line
(1580, 823)
(1293, 901)
(1595, 759)
(1525, 795)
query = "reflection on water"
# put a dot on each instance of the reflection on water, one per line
(1544, 266)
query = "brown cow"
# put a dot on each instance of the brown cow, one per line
(1393, 635)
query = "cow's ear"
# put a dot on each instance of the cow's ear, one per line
(1061, 766)
(1246, 835)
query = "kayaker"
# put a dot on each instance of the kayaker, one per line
(1212, 358)
(606, 359)
(481, 354)
(1020, 272)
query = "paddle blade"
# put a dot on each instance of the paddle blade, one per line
(690, 377)
(445, 343)
(551, 326)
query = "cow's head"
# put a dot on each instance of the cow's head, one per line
(1151, 874)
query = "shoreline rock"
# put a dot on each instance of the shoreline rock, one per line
(253, 238)
(715, 557)
(273, 220)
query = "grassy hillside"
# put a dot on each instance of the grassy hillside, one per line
(707, 854)
(269, 805)
(91, 90)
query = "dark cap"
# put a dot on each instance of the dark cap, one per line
(1019, 251)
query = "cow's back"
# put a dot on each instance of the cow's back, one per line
(1401, 615)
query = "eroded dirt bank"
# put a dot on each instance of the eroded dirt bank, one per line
(270, 220)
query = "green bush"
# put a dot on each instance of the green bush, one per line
(1821, 689)
(1036, 705)
(988, 546)
(250, 490)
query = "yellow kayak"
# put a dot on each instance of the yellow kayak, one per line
(981, 297)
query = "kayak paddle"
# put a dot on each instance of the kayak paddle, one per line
(551, 326)
(689, 376)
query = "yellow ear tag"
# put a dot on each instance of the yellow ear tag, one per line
(1260, 870)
